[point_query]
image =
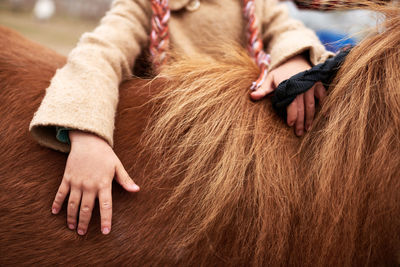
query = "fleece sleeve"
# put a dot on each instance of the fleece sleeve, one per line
(83, 94)
(285, 37)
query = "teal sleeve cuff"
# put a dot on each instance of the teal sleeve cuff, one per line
(62, 134)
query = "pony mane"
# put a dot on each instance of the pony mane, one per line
(353, 179)
(230, 163)
(222, 156)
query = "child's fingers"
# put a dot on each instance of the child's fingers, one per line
(85, 213)
(105, 203)
(73, 204)
(320, 92)
(62, 192)
(300, 115)
(309, 102)
(292, 113)
(124, 179)
(266, 88)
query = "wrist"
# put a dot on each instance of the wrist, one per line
(77, 136)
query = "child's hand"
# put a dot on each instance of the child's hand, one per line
(300, 113)
(89, 172)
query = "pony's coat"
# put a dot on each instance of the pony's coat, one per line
(224, 181)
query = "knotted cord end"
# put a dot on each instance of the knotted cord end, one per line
(263, 61)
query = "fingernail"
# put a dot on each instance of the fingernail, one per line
(81, 232)
(54, 211)
(106, 230)
(254, 94)
(71, 226)
(135, 187)
(300, 132)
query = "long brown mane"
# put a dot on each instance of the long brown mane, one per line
(238, 165)
(224, 181)
(352, 164)
(230, 160)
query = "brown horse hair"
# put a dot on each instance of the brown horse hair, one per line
(351, 160)
(232, 164)
(226, 183)
(237, 164)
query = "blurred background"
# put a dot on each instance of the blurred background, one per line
(55, 23)
(59, 23)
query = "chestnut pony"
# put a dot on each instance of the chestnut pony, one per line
(224, 181)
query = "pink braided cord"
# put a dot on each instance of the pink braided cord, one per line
(159, 39)
(255, 44)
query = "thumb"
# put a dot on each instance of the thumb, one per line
(266, 88)
(124, 179)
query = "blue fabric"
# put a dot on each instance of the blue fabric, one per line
(334, 41)
(62, 134)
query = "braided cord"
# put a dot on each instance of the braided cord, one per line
(255, 44)
(159, 39)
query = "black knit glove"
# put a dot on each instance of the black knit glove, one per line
(289, 89)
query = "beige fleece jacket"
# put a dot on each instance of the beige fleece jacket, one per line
(84, 93)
